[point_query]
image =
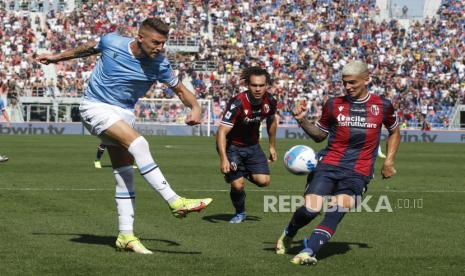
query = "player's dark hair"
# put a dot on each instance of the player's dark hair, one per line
(157, 25)
(255, 71)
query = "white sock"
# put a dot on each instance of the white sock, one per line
(139, 149)
(125, 199)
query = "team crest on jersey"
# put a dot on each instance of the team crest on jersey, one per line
(340, 108)
(374, 109)
(246, 111)
(266, 108)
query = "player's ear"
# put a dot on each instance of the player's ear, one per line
(140, 35)
(139, 38)
(367, 79)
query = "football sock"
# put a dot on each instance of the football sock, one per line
(125, 198)
(100, 151)
(301, 217)
(139, 149)
(325, 230)
(238, 200)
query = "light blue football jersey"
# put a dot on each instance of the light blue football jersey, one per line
(2, 105)
(121, 79)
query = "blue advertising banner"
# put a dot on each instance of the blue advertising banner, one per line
(39, 128)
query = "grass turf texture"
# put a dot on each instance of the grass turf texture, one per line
(58, 215)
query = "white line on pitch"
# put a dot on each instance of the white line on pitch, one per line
(217, 190)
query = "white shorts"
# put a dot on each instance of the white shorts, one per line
(98, 117)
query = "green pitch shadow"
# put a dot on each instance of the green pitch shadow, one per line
(110, 241)
(227, 217)
(330, 249)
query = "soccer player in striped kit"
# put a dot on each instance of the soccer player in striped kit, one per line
(352, 124)
(237, 139)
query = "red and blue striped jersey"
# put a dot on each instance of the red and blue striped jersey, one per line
(354, 129)
(245, 118)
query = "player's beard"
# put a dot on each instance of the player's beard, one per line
(145, 53)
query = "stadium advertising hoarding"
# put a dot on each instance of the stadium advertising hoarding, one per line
(434, 136)
(33, 128)
(437, 136)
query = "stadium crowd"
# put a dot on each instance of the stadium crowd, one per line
(303, 44)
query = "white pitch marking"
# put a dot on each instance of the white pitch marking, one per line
(214, 190)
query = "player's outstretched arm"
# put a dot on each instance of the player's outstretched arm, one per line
(188, 99)
(84, 50)
(225, 166)
(299, 112)
(271, 127)
(393, 143)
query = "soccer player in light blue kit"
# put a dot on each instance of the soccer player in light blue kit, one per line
(126, 70)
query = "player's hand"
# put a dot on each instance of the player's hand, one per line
(273, 155)
(193, 118)
(225, 166)
(299, 110)
(388, 170)
(47, 59)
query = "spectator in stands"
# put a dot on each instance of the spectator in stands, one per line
(304, 44)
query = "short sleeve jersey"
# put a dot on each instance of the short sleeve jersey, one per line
(245, 118)
(354, 129)
(119, 78)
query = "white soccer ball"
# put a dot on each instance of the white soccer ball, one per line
(300, 160)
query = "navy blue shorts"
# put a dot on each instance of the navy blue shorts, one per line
(331, 180)
(249, 160)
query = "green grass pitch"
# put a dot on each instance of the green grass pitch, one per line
(57, 215)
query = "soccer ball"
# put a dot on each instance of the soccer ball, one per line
(300, 160)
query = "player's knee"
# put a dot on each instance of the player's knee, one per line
(313, 202)
(264, 182)
(260, 180)
(237, 186)
(345, 201)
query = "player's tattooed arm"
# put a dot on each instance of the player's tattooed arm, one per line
(83, 50)
(312, 130)
(300, 115)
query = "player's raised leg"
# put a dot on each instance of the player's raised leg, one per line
(138, 147)
(261, 180)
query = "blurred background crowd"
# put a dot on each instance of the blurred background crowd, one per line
(420, 66)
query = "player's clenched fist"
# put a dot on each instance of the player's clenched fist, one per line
(388, 170)
(193, 118)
